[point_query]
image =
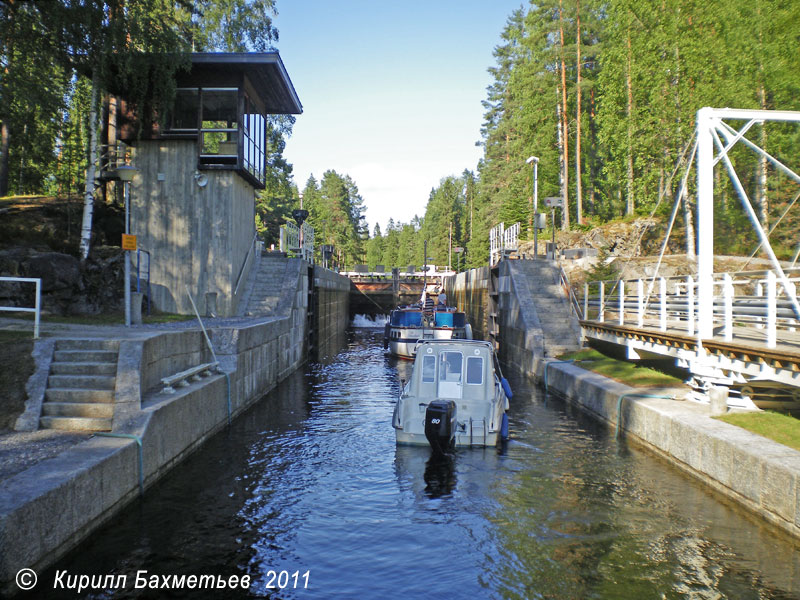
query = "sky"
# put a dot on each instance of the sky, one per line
(391, 93)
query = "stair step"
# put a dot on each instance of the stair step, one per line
(77, 395)
(76, 423)
(90, 410)
(92, 382)
(103, 356)
(88, 344)
(83, 368)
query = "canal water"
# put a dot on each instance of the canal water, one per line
(307, 491)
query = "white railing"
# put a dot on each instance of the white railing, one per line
(502, 242)
(292, 241)
(37, 302)
(753, 300)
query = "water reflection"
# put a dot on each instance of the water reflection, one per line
(311, 478)
(440, 475)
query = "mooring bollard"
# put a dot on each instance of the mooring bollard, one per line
(136, 307)
(718, 399)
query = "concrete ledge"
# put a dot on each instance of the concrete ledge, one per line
(756, 472)
(48, 509)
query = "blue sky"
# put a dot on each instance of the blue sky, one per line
(391, 93)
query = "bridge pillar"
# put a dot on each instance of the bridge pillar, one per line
(705, 223)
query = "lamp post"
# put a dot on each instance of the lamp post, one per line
(126, 173)
(535, 201)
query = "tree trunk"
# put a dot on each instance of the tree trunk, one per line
(578, 191)
(562, 165)
(629, 114)
(564, 130)
(5, 142)
(88, 197)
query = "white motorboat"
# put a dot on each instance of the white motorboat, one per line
(456, 396)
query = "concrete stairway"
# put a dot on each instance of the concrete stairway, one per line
(559, 325)
(267, 287)
(80, 388)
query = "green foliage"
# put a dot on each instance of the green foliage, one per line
(336, 212)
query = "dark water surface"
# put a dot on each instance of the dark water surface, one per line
(311, 481)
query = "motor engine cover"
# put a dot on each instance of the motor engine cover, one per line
(440, 425)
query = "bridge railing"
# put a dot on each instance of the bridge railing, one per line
(502, 241)
(752, 300)
(292, 241)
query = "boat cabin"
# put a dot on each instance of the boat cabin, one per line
(453, 370)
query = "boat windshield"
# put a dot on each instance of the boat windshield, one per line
(450, 319)
(404, 318)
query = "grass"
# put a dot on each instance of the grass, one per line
(778, 427)
(6, 337)
(621, 370)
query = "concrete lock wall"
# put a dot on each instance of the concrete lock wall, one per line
(469, 291)
(49, 508)
(197, 236)
(332, 311)
(522, 342)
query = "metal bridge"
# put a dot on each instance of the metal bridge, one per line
(376, 291)
(737, 330)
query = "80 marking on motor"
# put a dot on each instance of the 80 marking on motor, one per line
(280, 580)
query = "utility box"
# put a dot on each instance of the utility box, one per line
(540, 221)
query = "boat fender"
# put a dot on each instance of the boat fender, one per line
(504, 427)
(386, 333)
(506, 388)
(468, 331)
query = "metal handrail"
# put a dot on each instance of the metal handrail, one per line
(573, 299)
(244, 264)
(37, 302)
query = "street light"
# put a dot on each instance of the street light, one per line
(534, 219)
(126, 173)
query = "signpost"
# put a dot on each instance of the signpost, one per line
(553, 202)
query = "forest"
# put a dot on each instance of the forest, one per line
(603, 93)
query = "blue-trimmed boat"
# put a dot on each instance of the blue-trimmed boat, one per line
(408, 325)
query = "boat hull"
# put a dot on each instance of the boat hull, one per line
(462, 440)
(403, 341)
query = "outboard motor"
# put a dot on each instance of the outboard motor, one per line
(387, 332)
(440, 425)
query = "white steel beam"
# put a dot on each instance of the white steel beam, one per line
(705, 223)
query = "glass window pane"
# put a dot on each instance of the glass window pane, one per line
(428, 369)
(475, 370)
(220, 105)
(450, 366)
(185, 109)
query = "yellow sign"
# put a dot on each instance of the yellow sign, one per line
(128, 242)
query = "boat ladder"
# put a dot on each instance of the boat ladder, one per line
(473, 425)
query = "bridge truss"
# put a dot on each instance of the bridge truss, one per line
(739, 330)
